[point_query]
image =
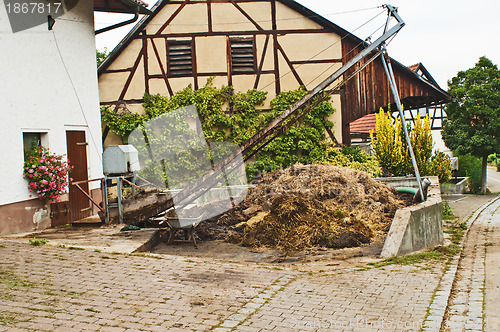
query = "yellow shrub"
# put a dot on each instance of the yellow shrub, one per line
(392, 150)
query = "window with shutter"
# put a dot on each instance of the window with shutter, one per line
(242, 55)
(180, 58)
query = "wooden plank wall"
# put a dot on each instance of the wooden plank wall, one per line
(369, 90)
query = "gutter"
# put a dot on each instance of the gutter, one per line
(118, 25)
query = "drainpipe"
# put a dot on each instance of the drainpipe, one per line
(118, 25)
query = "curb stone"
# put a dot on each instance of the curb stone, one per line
(439, 303)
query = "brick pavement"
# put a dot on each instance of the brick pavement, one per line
(392, 298)
(464, 311)
(58, 289)
(53, 288)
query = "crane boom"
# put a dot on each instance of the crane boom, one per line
(266, 134)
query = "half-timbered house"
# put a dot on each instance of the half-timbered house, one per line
(269, 45)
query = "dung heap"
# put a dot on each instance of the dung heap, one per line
(311, 205)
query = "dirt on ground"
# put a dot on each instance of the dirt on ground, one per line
(308, 206)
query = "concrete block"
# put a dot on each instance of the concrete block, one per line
(416, 227)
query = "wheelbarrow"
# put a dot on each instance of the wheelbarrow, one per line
(187, 225)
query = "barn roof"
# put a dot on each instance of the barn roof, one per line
(121, 6)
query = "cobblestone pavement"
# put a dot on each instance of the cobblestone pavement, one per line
(50, 288)
(63, 289)
(464, 311)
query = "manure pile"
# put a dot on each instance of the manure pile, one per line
(309, 205)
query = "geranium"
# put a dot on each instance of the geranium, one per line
(47, 173)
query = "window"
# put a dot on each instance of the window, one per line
(30, 139)
(180, 58)
(242, 55)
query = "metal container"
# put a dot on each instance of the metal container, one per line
(120, 159)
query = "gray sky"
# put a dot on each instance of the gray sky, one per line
(445, 35)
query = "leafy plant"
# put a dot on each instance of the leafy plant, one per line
(392, 150)
(422, 144)
(473, 116)
(101, 56)
(47, 173)
(37, 242)
(470, 166)
(389, 147)
(228, 116)
(354, 158)
(440, 166)
(446, 211)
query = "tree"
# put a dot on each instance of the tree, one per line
(473, 123)
(101, 56)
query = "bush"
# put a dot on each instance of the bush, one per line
(470, 166)
(441, 166)
(353, 157)
(391, 147)
(354, 153)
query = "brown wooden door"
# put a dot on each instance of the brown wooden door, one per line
(79, 204)
(59, 213)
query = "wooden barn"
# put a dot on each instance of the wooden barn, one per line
(269, 45)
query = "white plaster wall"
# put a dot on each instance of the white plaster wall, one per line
(40, 92)
(439, 143)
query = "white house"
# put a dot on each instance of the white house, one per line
(49, 91)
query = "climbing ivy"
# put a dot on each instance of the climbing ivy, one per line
(231, 116)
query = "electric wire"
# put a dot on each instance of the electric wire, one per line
(352, 50)
(234, 23)
(326, 48)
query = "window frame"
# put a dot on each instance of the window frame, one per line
(247, 53)
(175, 69)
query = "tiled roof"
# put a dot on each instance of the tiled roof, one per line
(141, 3)
(414, 67)
(121, 6)
(363, 125)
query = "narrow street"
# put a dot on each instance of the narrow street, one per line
(473, 305)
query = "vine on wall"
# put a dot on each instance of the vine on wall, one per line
(231, 116)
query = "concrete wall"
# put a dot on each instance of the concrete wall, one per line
(416, 227)
(48, 85)
(455, 189)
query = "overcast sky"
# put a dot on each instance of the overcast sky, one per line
(445, 35)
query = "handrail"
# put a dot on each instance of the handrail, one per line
(77, 184)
